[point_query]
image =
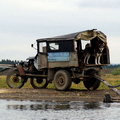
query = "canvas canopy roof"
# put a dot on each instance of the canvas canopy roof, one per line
(84, 35)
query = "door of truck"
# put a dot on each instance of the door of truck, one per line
(42, 55)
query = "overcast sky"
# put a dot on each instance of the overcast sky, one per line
(24, 21)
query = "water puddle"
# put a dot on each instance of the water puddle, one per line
(55, 110)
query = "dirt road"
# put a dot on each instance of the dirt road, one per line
(52, 94)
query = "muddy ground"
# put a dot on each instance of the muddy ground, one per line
(52, 94)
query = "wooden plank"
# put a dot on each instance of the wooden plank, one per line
(73, 59)
(58, 56)
(33, 75)
(96, 64)
(63, 60)
(107, 84)
(42, 61)
(58, 64)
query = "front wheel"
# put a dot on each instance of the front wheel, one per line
(39, 83)
(62, 80)
(14, 80)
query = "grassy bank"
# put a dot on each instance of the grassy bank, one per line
(113, 80)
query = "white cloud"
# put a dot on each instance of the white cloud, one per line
(15, 46)
(107, 4)
(24, 21)
(33, 5)
(114, 48)
(15, 16)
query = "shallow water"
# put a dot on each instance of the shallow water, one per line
(54, 110)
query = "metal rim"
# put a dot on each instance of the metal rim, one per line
(60, 80)
(14, 80)
(39, 83)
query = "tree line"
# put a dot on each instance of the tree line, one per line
(7, 61)
(112, 66)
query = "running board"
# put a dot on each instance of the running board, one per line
(107, 84)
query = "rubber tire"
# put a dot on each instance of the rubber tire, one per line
(8, 80)
(62, 80)
(32, 82)
(91, 83)
(107, 98)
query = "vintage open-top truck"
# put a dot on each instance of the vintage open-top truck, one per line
(61, 59)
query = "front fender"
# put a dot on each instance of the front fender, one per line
(20, 70)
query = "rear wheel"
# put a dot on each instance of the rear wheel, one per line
(62, 80)
(91, 83)
(39, 83)
(14, 80)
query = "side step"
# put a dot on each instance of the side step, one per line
(107, 84)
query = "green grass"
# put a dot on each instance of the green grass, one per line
(113, 80)
(3, 82)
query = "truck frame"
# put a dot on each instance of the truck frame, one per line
(61, 60)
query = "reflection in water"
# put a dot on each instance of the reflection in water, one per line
(55, 106)
(54, 110)
(43, 106)
(38, 107)
(91, 105)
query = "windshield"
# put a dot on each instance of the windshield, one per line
(42, 47)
